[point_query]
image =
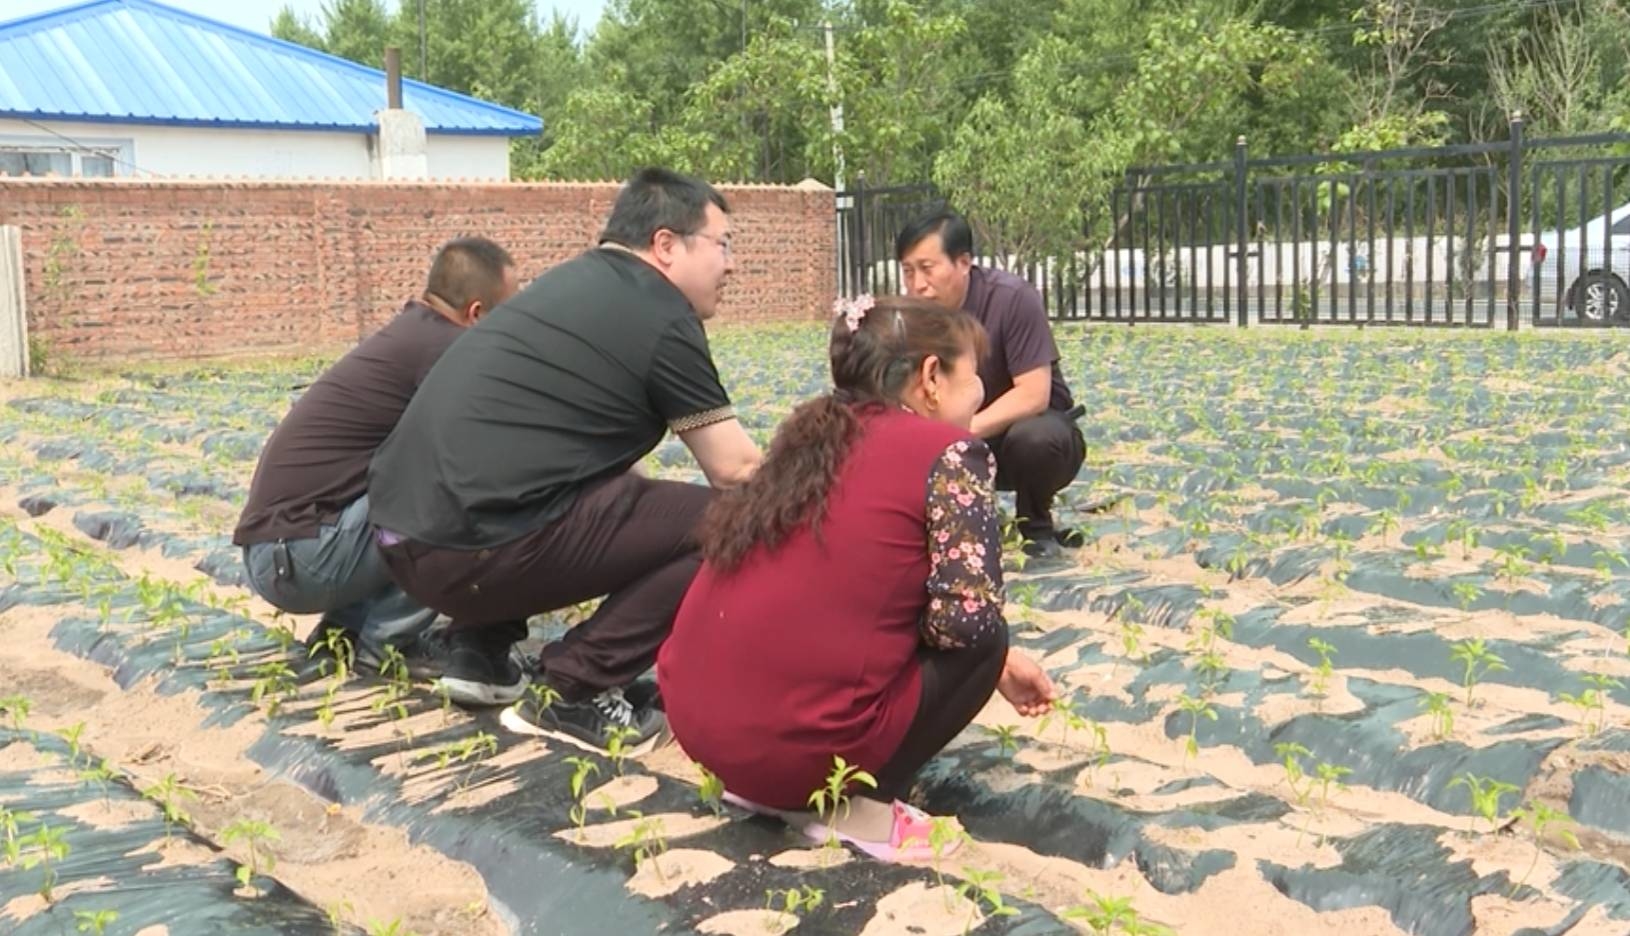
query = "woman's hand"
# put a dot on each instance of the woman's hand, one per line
(1025, 685)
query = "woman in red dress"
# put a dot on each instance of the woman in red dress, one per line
(850, 599)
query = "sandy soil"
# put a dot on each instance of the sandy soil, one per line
(325, 851)
(332, 857)
(748, 923)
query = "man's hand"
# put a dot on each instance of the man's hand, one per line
(1025, 685)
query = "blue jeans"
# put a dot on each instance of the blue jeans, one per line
(340, 574)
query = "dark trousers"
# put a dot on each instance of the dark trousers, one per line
(628, 538)
(956, 684)
(1035, 459)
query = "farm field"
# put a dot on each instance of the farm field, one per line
(1346, 653)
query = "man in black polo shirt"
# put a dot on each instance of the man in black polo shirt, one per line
(306, 541)
(506, 491)
(1037, 445)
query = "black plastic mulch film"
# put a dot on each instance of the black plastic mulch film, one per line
(1303, 451)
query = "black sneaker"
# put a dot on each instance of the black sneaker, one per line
(1070, 537)
(589, 724)
(644, 694)
(480, 668)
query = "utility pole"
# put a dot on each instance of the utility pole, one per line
(837, 110)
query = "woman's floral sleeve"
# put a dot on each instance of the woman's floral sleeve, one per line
(964, 549)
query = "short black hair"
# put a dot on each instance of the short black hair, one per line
(469, 269)
(659, 199)
(956, 236)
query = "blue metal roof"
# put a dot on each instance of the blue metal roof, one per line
(135, 61)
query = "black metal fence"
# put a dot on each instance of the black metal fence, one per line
(1507, 234)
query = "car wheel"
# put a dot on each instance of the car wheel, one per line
(1601, 299)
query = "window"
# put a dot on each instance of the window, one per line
(18, 162)
(29, 160)
(96, 165)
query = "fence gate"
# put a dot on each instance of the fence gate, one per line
(1578, 221)
(1379, 240)
(1170, 253)
(1505, 234)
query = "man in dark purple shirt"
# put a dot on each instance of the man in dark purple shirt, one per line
(307, 545)
(1026, 418)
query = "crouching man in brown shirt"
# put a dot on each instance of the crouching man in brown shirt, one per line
(307, 544)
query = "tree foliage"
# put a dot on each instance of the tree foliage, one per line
(1019, 109)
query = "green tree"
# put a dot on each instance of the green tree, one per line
(999, 33)
(1045, 96)
(603, 132)
(489, 48)
(290, 27)
(1104, 38)
(763, 112)
(658, 49)
(557, 70)
(767, 110)
(904, 91)
(1556, 72)
(1026, 169)
(481, 47)
(1193, 82)
(359, 30)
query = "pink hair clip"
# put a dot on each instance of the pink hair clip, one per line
(854, 310)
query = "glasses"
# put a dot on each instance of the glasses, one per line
(723, 242)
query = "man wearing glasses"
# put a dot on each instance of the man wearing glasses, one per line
(505, 490)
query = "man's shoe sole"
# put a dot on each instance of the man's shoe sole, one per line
(479, 694)
(512, 720)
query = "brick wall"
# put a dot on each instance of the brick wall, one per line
(125, 269)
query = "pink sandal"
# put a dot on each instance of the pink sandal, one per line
(908, 839)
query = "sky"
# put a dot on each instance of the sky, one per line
(257, 14)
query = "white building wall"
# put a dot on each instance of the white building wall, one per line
(153, 151)
(468, 157)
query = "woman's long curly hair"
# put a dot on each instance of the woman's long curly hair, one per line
(873, 363)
